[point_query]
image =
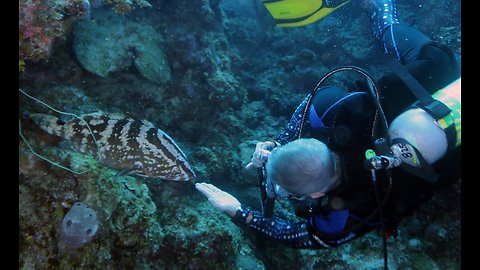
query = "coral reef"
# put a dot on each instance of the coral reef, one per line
(41, 22)
(154, 225)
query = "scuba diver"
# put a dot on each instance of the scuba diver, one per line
(324, 160)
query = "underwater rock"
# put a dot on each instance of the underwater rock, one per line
(112, 42)
(152, 64)
(67, 98)
(79, 226)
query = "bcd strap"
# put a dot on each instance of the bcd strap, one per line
(425, 171)
(437, 109)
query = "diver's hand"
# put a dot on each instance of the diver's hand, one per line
(262, 151)
(219, 199)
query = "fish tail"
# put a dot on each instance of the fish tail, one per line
(49, 123)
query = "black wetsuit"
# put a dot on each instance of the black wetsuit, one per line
(348, 133)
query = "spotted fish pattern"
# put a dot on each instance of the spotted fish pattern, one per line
(123, 143)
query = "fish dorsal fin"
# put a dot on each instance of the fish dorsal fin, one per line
(148, 123)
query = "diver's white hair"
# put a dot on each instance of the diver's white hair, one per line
(304, 166)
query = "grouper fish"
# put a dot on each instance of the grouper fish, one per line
(125, 144)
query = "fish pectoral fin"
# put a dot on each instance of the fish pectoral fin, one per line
(128, 171)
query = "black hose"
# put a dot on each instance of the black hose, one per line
(382, 220)
(261, 184)
(379, 112)
(372, 88)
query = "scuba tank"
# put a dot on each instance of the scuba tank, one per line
(418, 138)
(423, 132)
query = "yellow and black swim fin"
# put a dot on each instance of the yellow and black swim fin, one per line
(291, 13)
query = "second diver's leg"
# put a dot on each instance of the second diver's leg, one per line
(403, 41)
(432, 64)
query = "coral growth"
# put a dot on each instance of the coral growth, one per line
(125, 6)
(42, 21)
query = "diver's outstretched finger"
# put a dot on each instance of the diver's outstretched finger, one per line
(206, 189)
(202, 188)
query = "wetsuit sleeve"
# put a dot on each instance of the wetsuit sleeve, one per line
(292, 129)
(317, 232)
(292, 234)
